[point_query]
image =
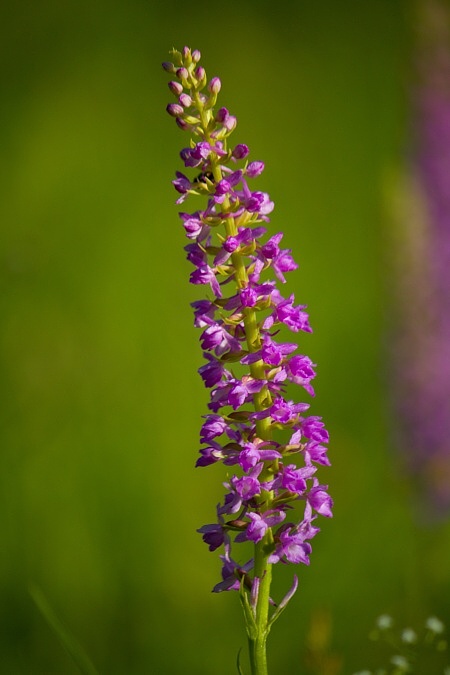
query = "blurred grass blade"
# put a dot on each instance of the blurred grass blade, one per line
(68, 641)
(240, 671)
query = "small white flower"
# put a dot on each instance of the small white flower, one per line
(409, 636)
(435, 625)
(384, 622)
(400, 662)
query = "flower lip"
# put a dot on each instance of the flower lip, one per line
(255, 169)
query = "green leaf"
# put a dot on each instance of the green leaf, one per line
(283, 604)
(238, 662)
(250, 624)
(68, 641)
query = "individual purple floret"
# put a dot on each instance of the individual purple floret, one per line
(248, 366)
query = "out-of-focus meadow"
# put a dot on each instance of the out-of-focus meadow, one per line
(101, 401)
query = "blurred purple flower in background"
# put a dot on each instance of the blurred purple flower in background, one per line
(422, 309)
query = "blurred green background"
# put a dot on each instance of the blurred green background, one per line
(101, 401)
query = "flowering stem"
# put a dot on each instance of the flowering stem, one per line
(240, 329)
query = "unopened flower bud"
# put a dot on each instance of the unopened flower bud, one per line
(200, 73)
(182, 74)
(185, 100)
(169, 67)
(222, 115)
(196, 56)
(200, 78)
(175, 110)
(187, 57)
(184, 126)
(240, 151)
(176, 88)
(215, 85)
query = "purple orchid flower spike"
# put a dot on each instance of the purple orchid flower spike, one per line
(247, 369)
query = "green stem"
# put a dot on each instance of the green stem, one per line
(257, 640)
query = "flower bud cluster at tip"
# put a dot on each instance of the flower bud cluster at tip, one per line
(196, 97)
(246, 368)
